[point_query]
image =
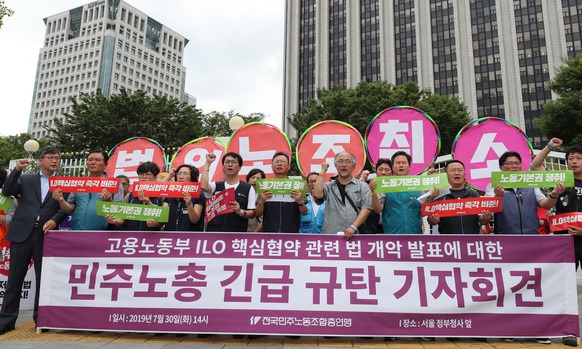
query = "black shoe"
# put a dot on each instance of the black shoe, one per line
(238, 336)
(293, 337)
(543, 340)
(204, 335)
(329, 337)
(6, 328)
(452, 339)
(570, 341)
(480, 339)
(390, 338)
(255, 336)
(428, 339)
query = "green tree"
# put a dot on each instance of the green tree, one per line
(12, 147)
(357, 106)
(563, 116)
(4, 12)
(99, 122)
(215, 124)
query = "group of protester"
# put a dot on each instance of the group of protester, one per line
(346, 204)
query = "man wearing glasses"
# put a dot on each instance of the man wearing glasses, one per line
(281, 213)
(519, 215)
(340, 194)
(146, 172)
(400, 210)
(471, 224)
(245, 196)
(36, 214)
(83, 205)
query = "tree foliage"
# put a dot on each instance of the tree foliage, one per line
(563, 116)
(358, 106)
(99, 122)
(12, 147)
(215, 124)
(4, 12)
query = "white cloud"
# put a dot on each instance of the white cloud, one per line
(234, 60)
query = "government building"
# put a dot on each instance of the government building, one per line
(497, 56)
(106, 45)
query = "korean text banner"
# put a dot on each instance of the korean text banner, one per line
(84, 184)
(371, 285)
(393, 184)
(532, 179)
(136, 212)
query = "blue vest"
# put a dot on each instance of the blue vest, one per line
(401, 214)
(85, 215)
(310, 223)
(519, 215)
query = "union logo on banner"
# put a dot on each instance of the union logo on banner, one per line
(126, 156)
(194, 153)
(406, 129)
(322, 141)
(256, 143)
(480, 144)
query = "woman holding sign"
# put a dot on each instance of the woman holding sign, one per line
(185, 212)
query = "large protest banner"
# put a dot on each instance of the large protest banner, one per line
(372, 285)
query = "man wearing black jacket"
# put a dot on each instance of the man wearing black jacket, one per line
(462, 224)
(36, 214)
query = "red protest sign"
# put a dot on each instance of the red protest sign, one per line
(194, 153)
(129, 154)
(322, 141)
(166, 189)
(461, 207)
(564, 221)
(256, 143)
(84, 184)
(219, 204)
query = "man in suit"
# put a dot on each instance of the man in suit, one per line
(36, 214)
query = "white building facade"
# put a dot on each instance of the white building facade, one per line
(106, 45)
(497, 56)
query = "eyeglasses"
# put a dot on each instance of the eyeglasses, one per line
(125, 184)
(230, 162)
(95, 159)
(513, 163)
(344, 162)
(52, 158)
(183, 173)
(147, 174)
(280, 162)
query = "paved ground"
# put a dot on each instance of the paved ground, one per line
(25, 337)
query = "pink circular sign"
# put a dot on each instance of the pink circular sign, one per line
(480, 144)
(406, 129)
(322, 141)
(126, 156)
(194, 153)
(257, 142)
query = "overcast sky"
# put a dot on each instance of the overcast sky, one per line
(234, 60)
